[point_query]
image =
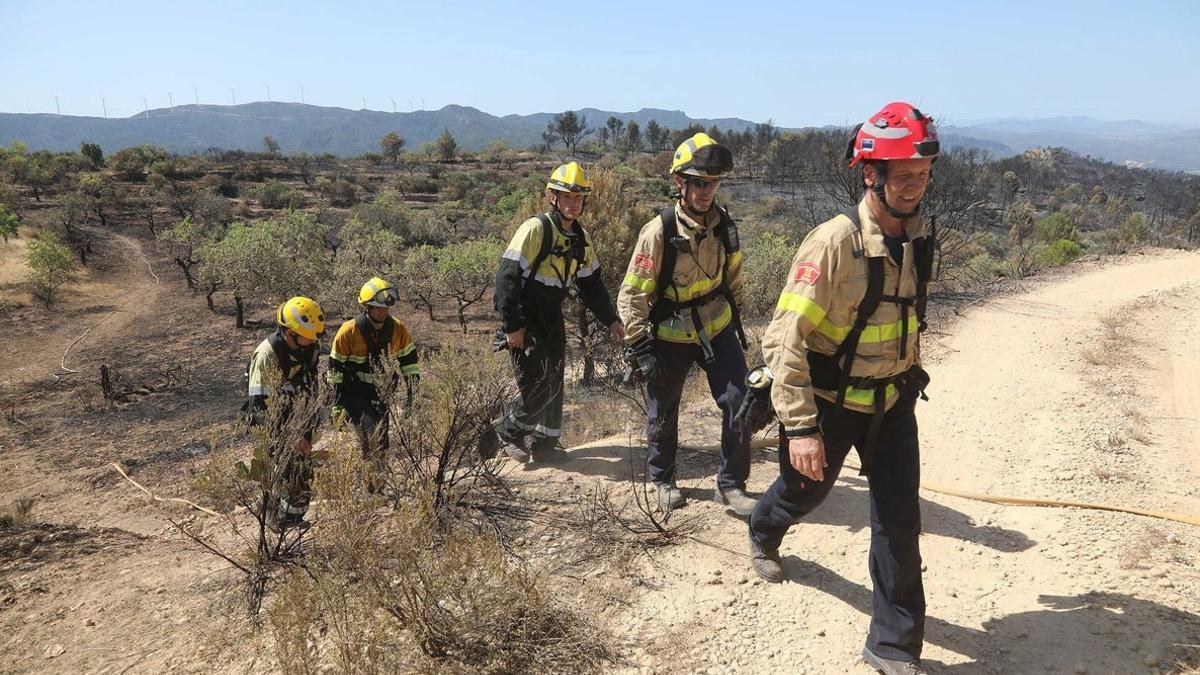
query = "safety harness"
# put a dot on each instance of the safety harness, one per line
(674, 242)
(833, 372)
(576, 252)
(377, 341)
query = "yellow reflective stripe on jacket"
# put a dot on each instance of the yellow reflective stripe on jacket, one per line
(872, 334)
(668, 331)
(802, 305)
(643, 285)
(676, 294)
(866, 397)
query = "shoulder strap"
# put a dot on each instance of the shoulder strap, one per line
(870, 301)
(282, 355)
(925, 249)
(666, 266)
(547, 243)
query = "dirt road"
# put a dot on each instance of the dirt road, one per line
(1081, 388)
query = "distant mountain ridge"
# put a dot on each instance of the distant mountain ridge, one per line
(317, 129)
(308, 128)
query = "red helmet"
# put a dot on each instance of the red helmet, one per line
(899, 131)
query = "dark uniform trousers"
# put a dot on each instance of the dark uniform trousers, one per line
(537, 411)
(726, 383)
(371, 421)
(898, 600)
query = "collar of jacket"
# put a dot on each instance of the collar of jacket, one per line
(692, 229)
(873, 233)
(576, 228)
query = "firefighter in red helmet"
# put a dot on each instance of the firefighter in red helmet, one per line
(843, 348)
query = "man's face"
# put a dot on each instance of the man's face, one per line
(570, 204)
(906, 182)
(698, 193)
(377, 314)
(298, 340)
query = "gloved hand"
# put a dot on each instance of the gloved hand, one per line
(756, 411)
(642, 358)
(412, 382)
(339, 417)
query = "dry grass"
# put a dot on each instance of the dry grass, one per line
(18, 513)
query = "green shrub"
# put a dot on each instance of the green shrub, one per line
(1060, 253)
(50, 266)
(1054, 228)
(767, 261)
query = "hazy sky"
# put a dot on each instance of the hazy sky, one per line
(797, 62)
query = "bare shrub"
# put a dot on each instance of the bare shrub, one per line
(465, 388)
(407, 590)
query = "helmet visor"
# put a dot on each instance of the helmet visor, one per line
(928, 148)
(384, 298)
(712, 160)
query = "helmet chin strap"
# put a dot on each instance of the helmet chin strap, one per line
(893, 211)
(688, 203)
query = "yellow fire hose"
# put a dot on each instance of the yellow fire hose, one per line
(764, 443)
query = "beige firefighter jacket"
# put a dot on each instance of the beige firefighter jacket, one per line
(817, 309)
(696, 274)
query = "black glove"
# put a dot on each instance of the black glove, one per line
(756, 411)
(911, 383)
(642, 359)
(500, 341)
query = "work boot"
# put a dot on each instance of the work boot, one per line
(550, 456)
(517, 452)
(766, 564)
(669, 496)
(736, 499)
(892, 666)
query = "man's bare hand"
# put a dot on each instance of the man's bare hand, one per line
(516, 339)
(807, 455)
(618, 332)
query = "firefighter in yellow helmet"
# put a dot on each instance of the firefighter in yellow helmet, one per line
(365, 349)
(680, 304)
(282, 391)
(548, 253)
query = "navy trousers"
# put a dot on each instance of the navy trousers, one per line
(898, 596)
(537, 413)
(726, 383)
(371, 420)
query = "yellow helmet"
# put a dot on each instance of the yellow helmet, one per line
(377, 293)
(702, 156)
(570, 177)
(302, 315)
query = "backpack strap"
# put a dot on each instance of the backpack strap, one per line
(866, 307)
(543, 251)
(666, 268)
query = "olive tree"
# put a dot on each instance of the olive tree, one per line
(464, 272)
(50, 266)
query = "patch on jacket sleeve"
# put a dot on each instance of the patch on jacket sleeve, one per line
(643, 262)
(807, 273)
